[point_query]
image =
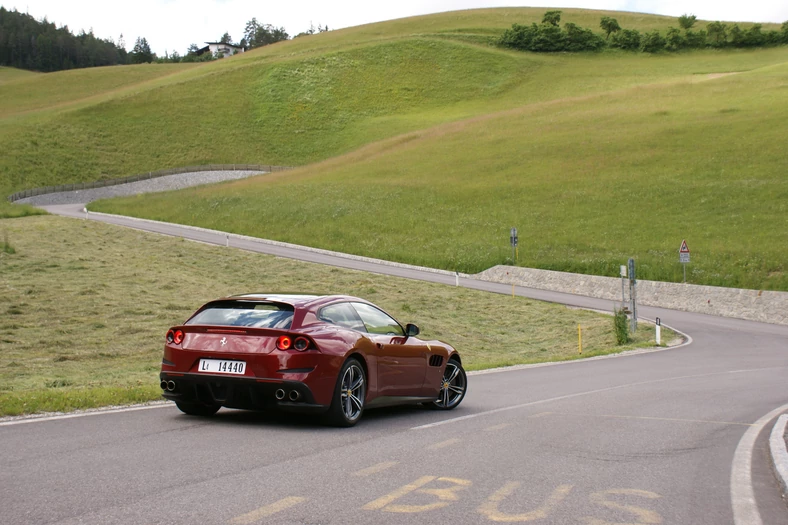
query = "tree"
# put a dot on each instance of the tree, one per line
(784, 32)
(674, 40)
(256, 34)
(652, 42)
(609, 25)
(687, 21)
(717, 34)
(552, 18)
(628, 39)
(226, 39)
(141, 52)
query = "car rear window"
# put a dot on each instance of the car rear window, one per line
(251, 314)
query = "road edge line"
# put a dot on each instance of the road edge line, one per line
(745, 508)
(779, 452)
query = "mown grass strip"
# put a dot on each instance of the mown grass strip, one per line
(84, 308)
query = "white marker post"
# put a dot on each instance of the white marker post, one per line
(227, 241)
(659, 329)
(456, 278)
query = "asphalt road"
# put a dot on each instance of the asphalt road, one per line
(675, 436)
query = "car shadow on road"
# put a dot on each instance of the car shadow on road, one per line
(406, 415)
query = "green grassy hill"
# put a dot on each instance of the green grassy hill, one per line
(423, 143)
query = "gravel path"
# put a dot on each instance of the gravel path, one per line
(165, 183)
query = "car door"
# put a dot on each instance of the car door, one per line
(402, 361)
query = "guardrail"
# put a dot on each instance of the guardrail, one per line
(143, 176)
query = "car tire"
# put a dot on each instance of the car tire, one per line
(347, 403)
(454, 384)
(197, 409)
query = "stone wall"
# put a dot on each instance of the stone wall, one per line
(754, 305)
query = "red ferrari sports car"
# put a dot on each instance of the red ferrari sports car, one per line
(335, 355)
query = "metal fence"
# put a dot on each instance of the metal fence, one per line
(143, 176)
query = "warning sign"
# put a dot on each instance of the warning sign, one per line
(684, 253)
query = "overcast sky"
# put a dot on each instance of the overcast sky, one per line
(171, 25)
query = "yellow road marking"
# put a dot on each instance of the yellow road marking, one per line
(540, 414)
(644, 516)
(490, 507)
(497, 427)
(441, 444)
(445, 495)
(388, 498)
(374, 469)
(268, 510)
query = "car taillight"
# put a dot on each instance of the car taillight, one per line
(284, 342)
(177, 337)
(301, 344)
(170, 336)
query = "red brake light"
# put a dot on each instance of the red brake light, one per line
(284, 342)
(301, 344)
(170, 336)
(177, 337)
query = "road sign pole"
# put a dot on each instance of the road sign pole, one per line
(633, 296)
(684, 258)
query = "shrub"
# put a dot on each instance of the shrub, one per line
(652, 42)
(674, 40)
(621, 326)
(582, 39)
(626, 39)
(696, 40)
(717, 34)
(549, 37)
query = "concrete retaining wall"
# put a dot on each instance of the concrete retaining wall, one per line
(754, 305)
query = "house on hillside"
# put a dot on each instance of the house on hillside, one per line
(215, 48)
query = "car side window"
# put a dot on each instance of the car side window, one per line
(377, 321)
(342, 314)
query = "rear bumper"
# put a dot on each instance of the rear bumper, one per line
(241, 392)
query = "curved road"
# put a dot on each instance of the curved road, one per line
(675, 436)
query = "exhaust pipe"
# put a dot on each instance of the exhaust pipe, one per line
(170, 385)
(163, 384)
(294, 395)
(280, 394)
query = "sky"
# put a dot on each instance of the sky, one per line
(172, 25)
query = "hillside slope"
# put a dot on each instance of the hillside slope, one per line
(434, 143)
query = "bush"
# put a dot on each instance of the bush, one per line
(621, 326)
(626, 39)
(549, 37)
(582, 39)
(674, 40)
(652, 42)
(696, 40)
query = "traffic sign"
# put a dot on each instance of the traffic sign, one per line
(684, 253)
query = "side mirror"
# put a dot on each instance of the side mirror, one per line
(411, 330)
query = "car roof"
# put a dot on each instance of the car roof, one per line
(297, 300)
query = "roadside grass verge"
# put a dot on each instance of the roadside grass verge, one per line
(588, 181)
(84, 307)
(10, 211)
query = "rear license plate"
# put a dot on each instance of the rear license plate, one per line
(221, 366)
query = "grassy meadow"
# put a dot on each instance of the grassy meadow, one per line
(589, 181)
(447, 141)
(84, 308)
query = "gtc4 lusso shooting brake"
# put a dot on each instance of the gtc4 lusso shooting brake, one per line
(335, 355)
